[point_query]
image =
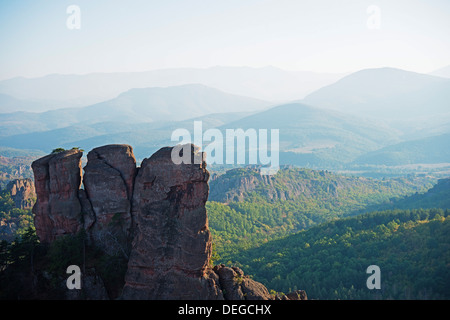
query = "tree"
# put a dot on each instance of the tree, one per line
(58, 150)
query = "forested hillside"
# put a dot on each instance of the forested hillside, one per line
(329, 261)
(247, 209)
(13, 221)
(307, 229)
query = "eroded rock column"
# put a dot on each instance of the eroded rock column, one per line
(108, 184)
(57, 181)
(172, 246)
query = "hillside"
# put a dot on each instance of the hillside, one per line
(146, 137)
(11, 104)
(318, 136)
(411, 247)
(247, 209)
(14, 221)
(171, 104)
(15, 167)
(309, 136)
(426, 150)
(328, 257)
(436, 197)
(137, 105)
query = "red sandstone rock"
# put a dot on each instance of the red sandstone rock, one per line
(57, 181)
(172, 246)
(23, 193)
(108, 183)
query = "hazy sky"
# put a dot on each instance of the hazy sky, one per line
(140, 35)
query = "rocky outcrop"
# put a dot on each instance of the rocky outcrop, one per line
(172, 247)
(154, 216)
(22, 193)
(296, 295)
(108, 187)
(57, 181)
(287, 184)
(237, 286)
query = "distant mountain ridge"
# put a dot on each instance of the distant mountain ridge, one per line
(345, 123)
(267, 83)
(315, 134)
(442, 72)
(175, 103)
(385, 93)
(427, 150)
(135, 106)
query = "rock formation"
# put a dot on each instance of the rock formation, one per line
(154, 216)
(108, 187)
(57, 181)
(236, 286)
(172, 246)
(22, 192)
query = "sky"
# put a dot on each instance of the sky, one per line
(333, 36)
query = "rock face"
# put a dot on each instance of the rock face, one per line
(108, 185)
(22, 192)
(172, 246)
(57, 181)
(236, 286)
(287, 184)
(154, 216)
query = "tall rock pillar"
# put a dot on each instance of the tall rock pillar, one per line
(172, 245)
(57, 181)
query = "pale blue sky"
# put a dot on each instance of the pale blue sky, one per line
(140, 35)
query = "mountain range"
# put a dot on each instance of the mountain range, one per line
(59, 90)
(135, 106)
(367, 115)
(425, 151)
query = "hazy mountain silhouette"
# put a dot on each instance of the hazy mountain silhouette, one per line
(11, 104)
(317, 132)
(268, 83)
(328, 134)
(385, 93)
(135, 106)
(427, 150)
(442, 72)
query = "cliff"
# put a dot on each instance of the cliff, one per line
(22, 192)
(153, 215)
(288, 184)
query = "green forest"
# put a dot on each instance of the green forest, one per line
(329, 261)
(323, 238)
(294, 200)
(13, 221)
